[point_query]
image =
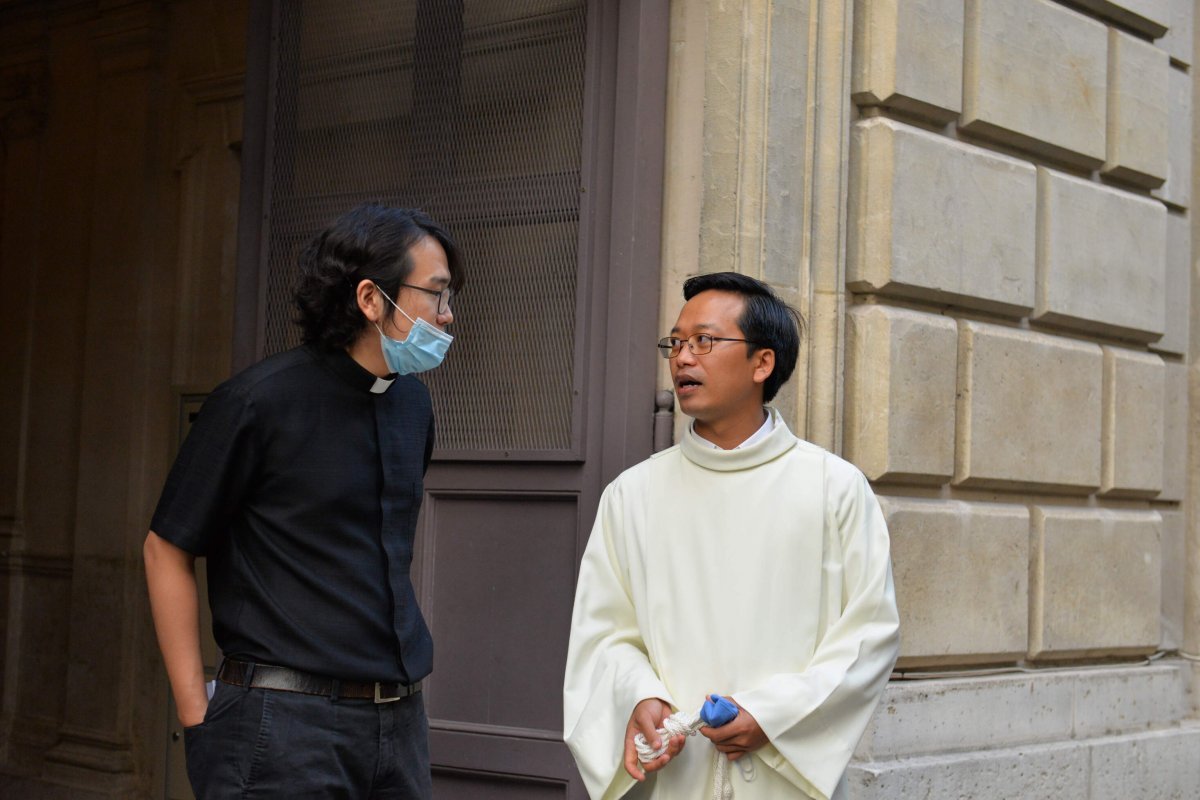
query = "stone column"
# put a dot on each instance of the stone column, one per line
(125, 414)
(758, 109)
(1191, 616)
(22, 124)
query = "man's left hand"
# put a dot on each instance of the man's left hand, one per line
(738, 737)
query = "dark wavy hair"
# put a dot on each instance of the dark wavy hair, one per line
(371, 242)
(768, 322)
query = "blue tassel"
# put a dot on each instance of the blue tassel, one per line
(717, 711)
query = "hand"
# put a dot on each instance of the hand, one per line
(646, 719)
(193, 716)
(736, 738)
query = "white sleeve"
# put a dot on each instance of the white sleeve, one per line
(608, 672)
(815, 718)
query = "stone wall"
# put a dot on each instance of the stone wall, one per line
(1017, 350)
(982, 208)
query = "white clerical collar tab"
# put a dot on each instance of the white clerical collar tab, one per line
(381, 385)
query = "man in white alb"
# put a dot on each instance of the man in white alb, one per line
(743, 562)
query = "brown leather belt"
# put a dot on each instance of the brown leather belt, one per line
(283, 679)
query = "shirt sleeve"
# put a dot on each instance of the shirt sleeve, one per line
(211, 473)
(429, 443)
(815, 718)
(608, 671)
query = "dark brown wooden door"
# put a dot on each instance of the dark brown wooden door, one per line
(534, 131)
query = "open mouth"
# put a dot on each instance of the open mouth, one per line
(686, 385)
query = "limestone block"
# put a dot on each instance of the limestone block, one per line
(1178, 39)
(1034, 77)
(1174, 577)
(936, 219)
(1178, 189)
(1095, 582)
(908, 55)
(1123, 700)
(961, 572)
(1161, 764)
(1101, 258)
(1179, 286)
(900, 393)
(1021, 709)
(1132, 432)
(1057, 770)
(1174, 560)
(1137, 111)
(1175, 432)
(1149, 17)
(1028, 409)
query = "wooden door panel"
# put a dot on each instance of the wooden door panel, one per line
(534, 132)
(469, 763)
(497, 582)
(469, 786)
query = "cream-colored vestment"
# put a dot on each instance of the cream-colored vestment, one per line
(762, 573)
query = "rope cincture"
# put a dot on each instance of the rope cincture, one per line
(683, 723)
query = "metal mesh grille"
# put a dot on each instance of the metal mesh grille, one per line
(473, 111)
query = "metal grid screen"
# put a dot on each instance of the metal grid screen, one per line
(472, 110)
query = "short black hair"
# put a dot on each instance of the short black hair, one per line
(768, 322)
(370, 242)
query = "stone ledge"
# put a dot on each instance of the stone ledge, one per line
(1057, 770)
(1149, 17)
(1154, 764)
(1034, 707)
(1158, 764)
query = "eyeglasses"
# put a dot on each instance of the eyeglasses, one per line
(698, 344)
(443, 296)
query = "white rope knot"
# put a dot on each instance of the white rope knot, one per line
(682, 723)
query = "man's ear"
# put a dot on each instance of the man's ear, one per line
(367, 296)
(764, 364)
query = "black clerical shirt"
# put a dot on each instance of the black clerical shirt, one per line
(300, 481)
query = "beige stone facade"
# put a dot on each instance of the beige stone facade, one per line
(997, 272)
(981, 207)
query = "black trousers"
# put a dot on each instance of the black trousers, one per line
(261, 743)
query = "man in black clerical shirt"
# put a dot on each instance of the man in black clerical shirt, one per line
(300, 482)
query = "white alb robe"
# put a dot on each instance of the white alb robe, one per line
(762, 573)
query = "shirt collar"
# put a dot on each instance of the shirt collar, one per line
(763, 432)
(748, 456)
(353, 373)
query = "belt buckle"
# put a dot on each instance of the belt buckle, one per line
(379, 699)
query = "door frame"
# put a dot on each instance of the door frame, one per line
(620, 237)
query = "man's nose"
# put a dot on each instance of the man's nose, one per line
(446, 317)
(686, 356)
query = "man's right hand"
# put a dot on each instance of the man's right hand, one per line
(646, 719)
(192, 717)
(175, 606)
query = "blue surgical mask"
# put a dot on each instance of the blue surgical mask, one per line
(423, 348)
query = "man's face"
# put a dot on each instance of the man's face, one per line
(725, 381)
(430, 275)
